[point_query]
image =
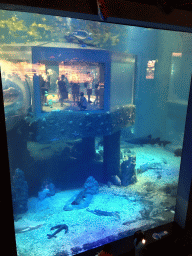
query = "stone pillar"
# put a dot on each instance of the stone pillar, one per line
(88, 144)
(111, 155)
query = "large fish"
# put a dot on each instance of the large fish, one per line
(80, 37)
(81, 34)
(148, 140)
(104, 213)
(178, 152)
(25, 225)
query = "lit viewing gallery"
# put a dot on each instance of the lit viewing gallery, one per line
(95, 117)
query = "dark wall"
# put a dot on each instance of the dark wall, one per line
(118, 8)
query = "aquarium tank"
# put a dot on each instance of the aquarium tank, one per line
(95, 117)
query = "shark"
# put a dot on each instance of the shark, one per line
(104, 213)
(25, 225)
(148, 140)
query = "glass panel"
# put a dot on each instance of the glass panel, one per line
(64, 85)
(90, 169)
(122, 80)
(178, 97)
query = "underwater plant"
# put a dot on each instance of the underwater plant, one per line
(15, 27)
(103, 35)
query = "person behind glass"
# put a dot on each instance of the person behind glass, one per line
(43, 89)
(57, 86)
(67, 83)
(89, 86)
(46, 79)
(82, 104)
(75, 89)
(96, 85)
(63, 94)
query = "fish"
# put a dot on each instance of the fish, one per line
(116, 180)
(129, 222)
(59, 229)
(178, 152)
(81, 34)
(148, 140)
(104, 213)
(45, 148)
(54, 139)
(76, 134)
(79, 37)
(26, 225)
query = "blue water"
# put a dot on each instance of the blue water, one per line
(73, 167)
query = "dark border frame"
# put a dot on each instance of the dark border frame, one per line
(183, 213)
(53, 12)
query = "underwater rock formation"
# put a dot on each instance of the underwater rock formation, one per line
(84, 197)
(178, 152)
(69, 125)
(91, 186)
(43, 194)
(48, 189)
(116, 180)
(19, 189)
(79, 201)
(128, 175)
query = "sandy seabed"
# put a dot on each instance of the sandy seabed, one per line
(85, 227)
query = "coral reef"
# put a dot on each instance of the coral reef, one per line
(128, 175)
